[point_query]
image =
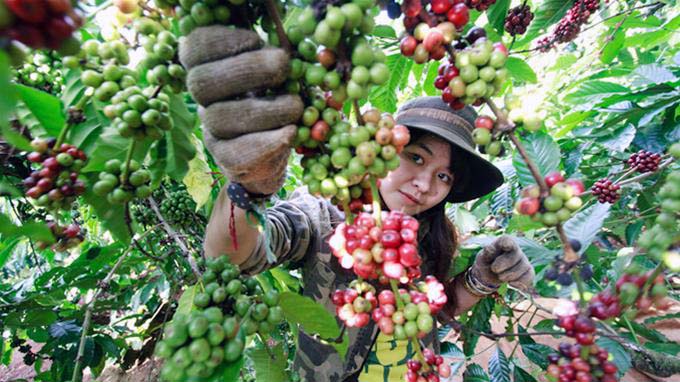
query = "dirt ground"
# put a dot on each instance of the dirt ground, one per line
(148, 371)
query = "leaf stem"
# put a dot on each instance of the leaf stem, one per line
(349, 217)
(656, 272)
(397, 296)
(375, 195)
(581, 290)
(419, 353)
(128, 159)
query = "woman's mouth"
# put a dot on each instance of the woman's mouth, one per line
(410, 198)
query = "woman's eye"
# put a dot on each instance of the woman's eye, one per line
(445, 177)
(417, 159)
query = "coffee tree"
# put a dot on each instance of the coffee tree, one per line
(106, 185)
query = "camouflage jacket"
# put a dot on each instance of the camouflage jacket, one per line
(299, 232)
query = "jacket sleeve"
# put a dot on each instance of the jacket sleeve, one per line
(295, 227)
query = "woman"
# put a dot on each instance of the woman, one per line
(439, 165)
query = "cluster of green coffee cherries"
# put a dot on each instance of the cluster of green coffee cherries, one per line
(178, 208)
(198, 13)
(104, 68)
(161, 61)
(42, 71)
(140, 114)
(227, 308)
(120, 184)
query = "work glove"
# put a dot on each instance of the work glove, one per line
(249, 136)
(499, 262)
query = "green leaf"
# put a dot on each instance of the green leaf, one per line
(586, 224)
(620, 356)
(454, 353)
(670, 316)
(537, 353)
(112, 217)
(112, 145)
(341, 347)
(496, 14)
(45, 107)
(520, 70)
(612, 47)
(186, 302)
(499, 367)
(475, 373)
(31, 317)
(521, 375)
(564, 61)
(620, 139)
(428, 85)
(385, 97)
(671, 348)
(180, 149)
(648, 333)
(592, 92)
(479, 321)
(33, 230)
(543, 151)
(6, 249)
(86, 135)
(8, 96)
(655, 74)
(385, 31)
(269, 365)
(312, 316)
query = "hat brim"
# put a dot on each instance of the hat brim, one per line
(482, 176)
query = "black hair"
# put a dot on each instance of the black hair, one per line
(438, 242)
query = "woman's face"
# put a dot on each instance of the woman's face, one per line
(423, 178)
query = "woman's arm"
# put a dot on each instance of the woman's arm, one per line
(460, 298)
(218, 241)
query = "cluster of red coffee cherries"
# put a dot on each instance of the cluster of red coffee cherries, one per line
(558, 206)
(429, 31)
(570, 25)
(576, 363)
(644, 161)
(606, 191)
(367, 248)
(410, 318)
(436, 368)
(628, 297)
(66, 237)
(40, 23)
(480, 5)
(55, 184)
(354, 304)
(518, 19)
(578, 326)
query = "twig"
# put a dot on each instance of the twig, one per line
(90, 307)
(610, 38)
(281, 33)
(647, 174)
(173, 234)
(569, 254)
(627, 11)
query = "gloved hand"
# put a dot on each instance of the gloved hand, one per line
(503, 261)
(249, 137)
